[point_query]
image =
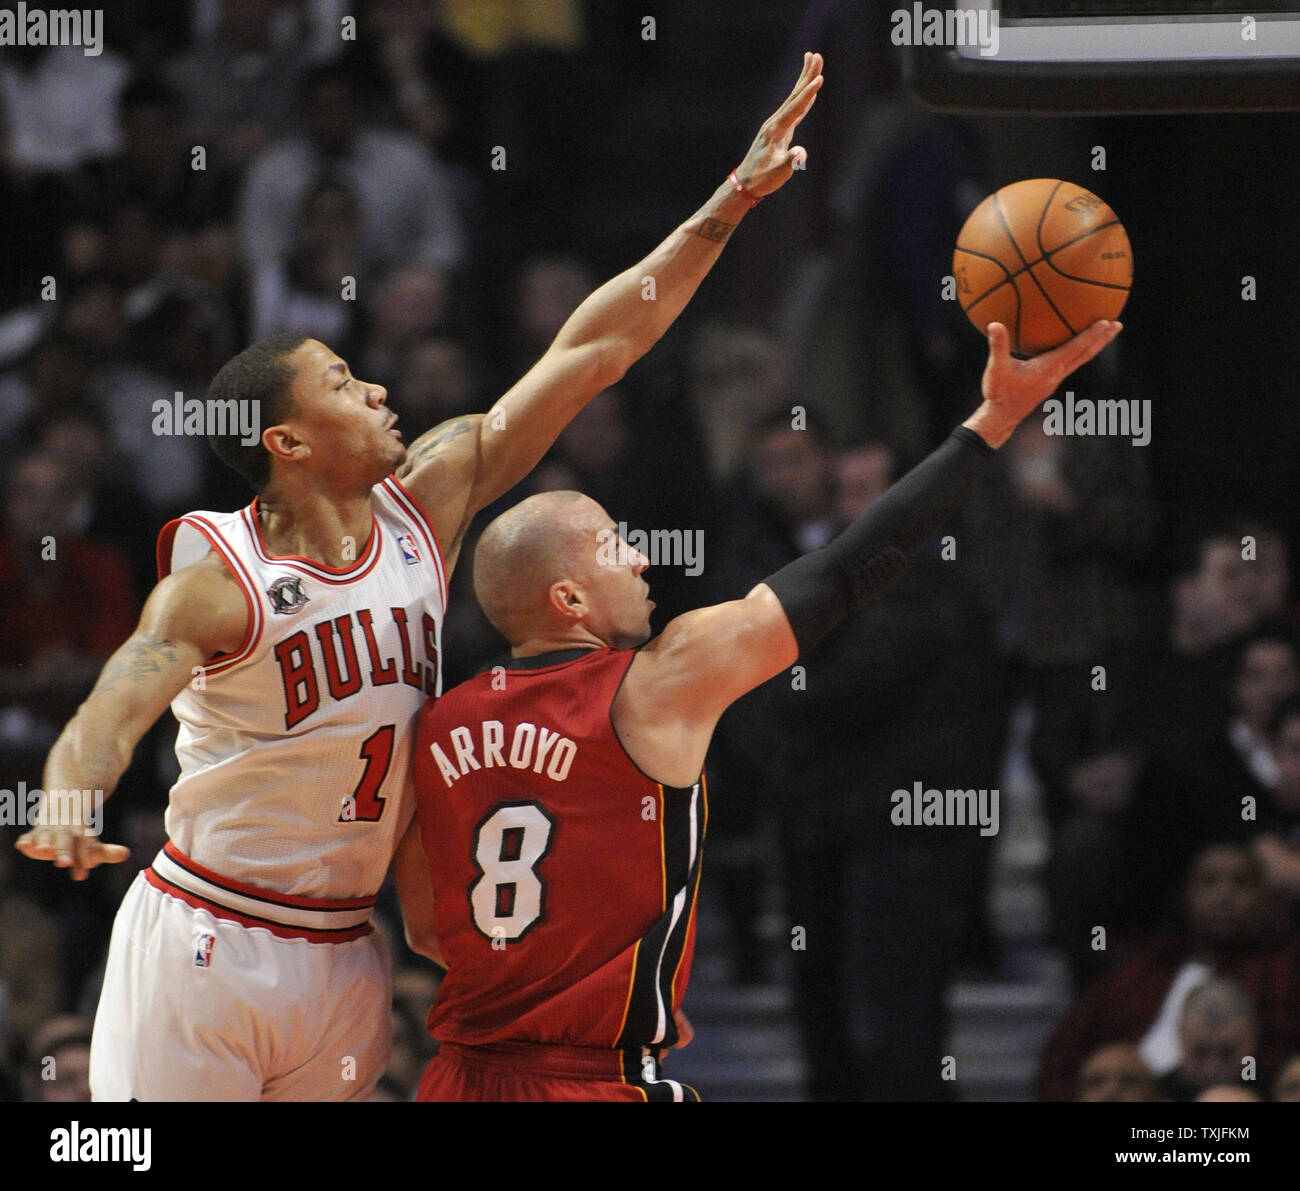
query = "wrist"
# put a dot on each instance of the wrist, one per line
(735, 182)
(991, 424)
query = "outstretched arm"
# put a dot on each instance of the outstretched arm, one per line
(703, 661)
(464, 465)
(189, 617)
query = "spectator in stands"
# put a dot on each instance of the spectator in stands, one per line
(154, 169)
(407, 207)
(103, 501)
(736, 376)
(1182, 689)
(238, 84)
(1277, 845)
(30, 941)
(1225, 1093)
(1231, 930)
(65, 605)
(1217, 1035)
(410, 304)
(884, 910)
(306, 292)
(1286, 1088)
(1115, 1074)
(437, 379)
(59, 105)
(57, 1068)
(1231, 773)
(55, 372)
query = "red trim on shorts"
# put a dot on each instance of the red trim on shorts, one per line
(276, 928)
(281, 899)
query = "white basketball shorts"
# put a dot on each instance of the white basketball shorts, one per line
(210, 994)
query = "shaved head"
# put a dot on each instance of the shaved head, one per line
(530, 546)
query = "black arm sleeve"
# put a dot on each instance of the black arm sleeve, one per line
(820, 589)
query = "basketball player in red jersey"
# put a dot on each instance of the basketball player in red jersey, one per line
(295, 641)
(562, 802)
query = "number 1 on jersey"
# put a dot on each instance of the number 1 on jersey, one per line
(364, 805)
(509, 897)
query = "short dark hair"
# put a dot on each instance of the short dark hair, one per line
(259, 373)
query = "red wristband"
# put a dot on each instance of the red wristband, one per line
(741, 189)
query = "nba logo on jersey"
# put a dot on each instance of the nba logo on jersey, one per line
(410, 551)
(203, 950)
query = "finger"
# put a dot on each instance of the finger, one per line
(796, 108)
(812, 69)
(804, 76)
(999, 342)
(111, 853)
(798, 157)
(1079, 350)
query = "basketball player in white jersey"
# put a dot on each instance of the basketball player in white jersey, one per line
(295, 641)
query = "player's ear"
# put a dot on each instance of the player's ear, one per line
(282, 443)
(565, 598)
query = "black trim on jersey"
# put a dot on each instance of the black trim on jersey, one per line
(536, 866)
(681, 872)
(658, 1090)
(619, 739)
(690, 880)
(539, 661)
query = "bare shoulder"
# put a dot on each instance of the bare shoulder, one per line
(440, 469)
(201, 605)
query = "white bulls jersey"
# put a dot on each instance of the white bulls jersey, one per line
(295, 750)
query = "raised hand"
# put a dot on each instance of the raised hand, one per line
(1013, 388)
(770, 160)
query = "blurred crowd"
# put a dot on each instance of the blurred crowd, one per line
(227, 169)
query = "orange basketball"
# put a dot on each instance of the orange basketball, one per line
(1045, 258)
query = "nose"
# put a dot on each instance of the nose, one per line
(378, 394)
(639, 562)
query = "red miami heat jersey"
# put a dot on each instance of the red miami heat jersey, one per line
(295, 751)
(564, 879)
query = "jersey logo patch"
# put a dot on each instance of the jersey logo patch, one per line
(203, 945)
(410, 551)
(287, 594)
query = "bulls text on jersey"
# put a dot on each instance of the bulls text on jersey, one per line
(329, 647)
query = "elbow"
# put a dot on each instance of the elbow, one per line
(613, 360)
(425, 943)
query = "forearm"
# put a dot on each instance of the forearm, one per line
(628, 314)
(821, 588)
(87, 757)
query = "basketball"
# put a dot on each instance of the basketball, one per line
(1045, 258)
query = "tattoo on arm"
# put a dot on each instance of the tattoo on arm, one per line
(137, 659)
(714, 229)
(431, 440)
